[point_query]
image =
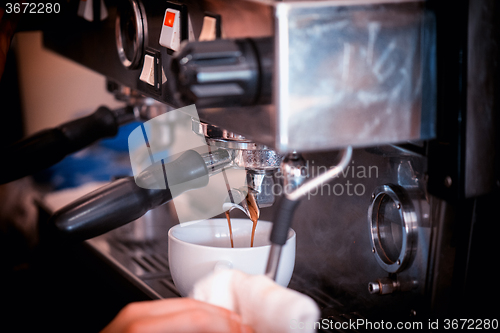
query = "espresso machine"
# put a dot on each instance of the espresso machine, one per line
(398, 94)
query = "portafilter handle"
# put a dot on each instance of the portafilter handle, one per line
(123, 201)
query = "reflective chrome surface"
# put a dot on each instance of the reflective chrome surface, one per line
(363, 87)
(259, 161)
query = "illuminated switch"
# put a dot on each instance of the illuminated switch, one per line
(170, 36)
(148, 70)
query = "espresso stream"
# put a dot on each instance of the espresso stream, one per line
(253, 209)
(230, 228)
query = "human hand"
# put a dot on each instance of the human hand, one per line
(178, 315)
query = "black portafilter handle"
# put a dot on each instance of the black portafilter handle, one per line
(123, 201)
(47, 147)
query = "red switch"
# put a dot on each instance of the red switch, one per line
(169, 19)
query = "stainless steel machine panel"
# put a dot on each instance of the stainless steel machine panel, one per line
(350, 74)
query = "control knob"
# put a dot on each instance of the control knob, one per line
(223, 73)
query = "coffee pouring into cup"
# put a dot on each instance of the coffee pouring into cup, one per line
(198, 249)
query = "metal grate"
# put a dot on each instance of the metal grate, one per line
(143, 263)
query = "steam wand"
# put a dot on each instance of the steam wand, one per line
(287, 205)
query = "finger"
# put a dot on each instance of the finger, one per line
(210, 320)
(134, 311)
(165, 306)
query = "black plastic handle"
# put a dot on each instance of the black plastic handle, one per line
(50, 146)
(107, 208)
(123, 201)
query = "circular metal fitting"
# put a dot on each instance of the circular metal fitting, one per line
(246, 154)
(392, 221)
(130, 34)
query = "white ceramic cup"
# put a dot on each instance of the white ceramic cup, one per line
(197, 249)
